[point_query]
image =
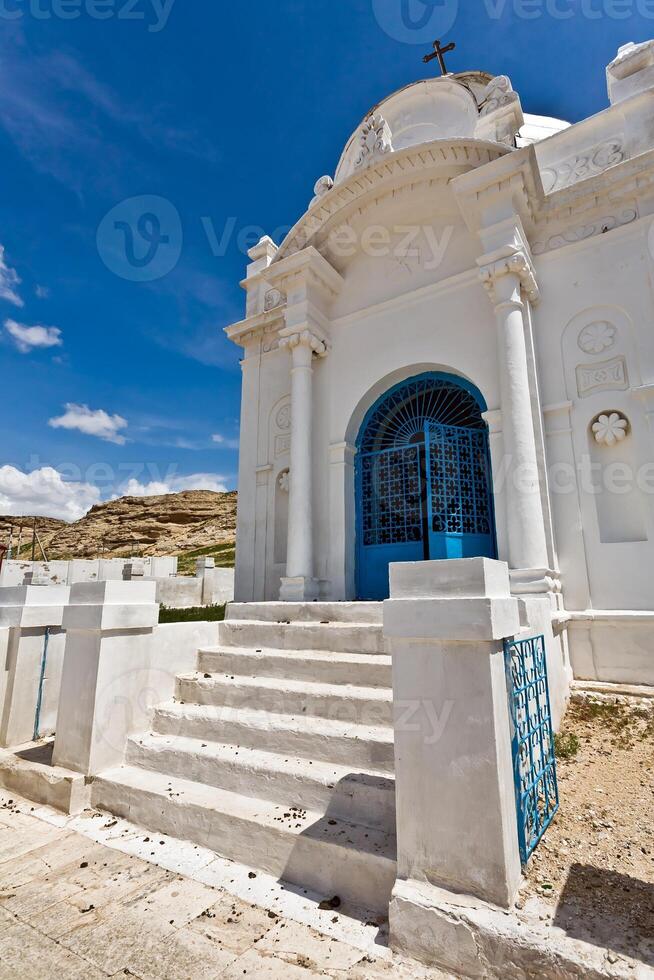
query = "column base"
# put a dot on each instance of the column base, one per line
(299, 589)
(534, 581)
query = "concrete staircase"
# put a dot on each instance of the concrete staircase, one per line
(278, 751)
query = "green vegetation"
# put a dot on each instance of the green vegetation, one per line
(199, 614)
(225, 555)
(567, 745)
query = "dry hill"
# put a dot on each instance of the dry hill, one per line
(169, 525)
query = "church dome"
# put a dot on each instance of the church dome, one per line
(461, 106)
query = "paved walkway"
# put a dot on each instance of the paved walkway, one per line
(71, 907)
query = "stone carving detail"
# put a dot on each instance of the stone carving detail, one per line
(304, 337)
(375, 141)
(273, 298)
(610, 428)
(606, 376)
(499, 93)
(517, 264)
(584, 165)
(284, 481)
(283, 419)
(578, 234)
(597, 337)
(323, 186)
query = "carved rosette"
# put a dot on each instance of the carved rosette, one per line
(304, 338)
(519, 264)
(597, 337)
(375, 141)
(284, 481)
(610, 429)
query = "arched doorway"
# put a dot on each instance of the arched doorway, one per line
(423, 479)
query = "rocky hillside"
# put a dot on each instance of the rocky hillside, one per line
(168, 525)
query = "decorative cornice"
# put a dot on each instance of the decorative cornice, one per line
(255, 328)
(426, 162)
(517, 264)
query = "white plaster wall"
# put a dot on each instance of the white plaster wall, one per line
(82, 570)
(112, 683)
(607, 279)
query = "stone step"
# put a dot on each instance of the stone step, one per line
(363, 797)
(362, 638)
(307, 849)
(311, 665)
(359, 705)
(308, 612)
(323, 739)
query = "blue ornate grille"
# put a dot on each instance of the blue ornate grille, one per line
(423, 481)
(391, 503)
(534, 760)
(459, 474)
(402, 415)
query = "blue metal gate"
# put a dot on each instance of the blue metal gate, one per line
(534, 759)
(423, 480)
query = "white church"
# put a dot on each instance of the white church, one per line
(446, 516)
(452, 355)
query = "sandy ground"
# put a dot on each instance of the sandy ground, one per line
(71, 907)
(596, 863)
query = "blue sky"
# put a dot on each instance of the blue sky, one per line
(218, 118)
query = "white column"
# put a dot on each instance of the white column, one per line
(505, 281)
(299, 585)
(107, 690)
(457, 831)
(31, 658)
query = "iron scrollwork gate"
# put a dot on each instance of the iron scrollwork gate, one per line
(534, 759)
(423, 480)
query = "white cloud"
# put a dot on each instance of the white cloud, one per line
(224, 442)
(42, 292)
(175, 484)
(28, 338)
(92, 423)
(43, 493)
(9, 279)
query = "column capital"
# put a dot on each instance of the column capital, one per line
(304, 338)
(517, 263)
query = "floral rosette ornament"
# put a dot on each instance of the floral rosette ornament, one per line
(610, 429)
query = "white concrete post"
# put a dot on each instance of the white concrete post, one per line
(505, 281)
(456, 807)
(205, 569)
(105, 690)
(29, 614)
(300, 584)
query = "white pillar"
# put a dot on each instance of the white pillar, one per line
(31, 657)
(300, 585)
(457, 833)
(106, 690)
(527, 545)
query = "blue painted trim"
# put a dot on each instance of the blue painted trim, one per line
(39, 697)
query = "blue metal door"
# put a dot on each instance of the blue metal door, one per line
(459, 493)
(423, 484)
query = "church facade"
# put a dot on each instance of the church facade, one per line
(451, 355)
